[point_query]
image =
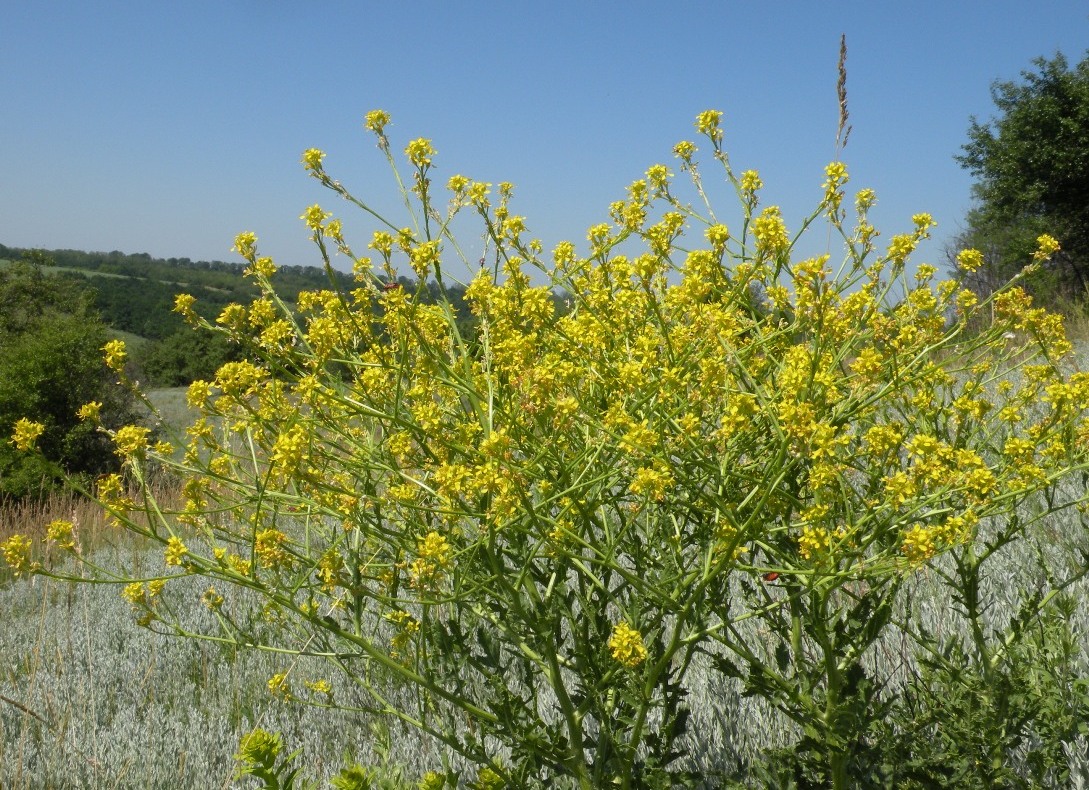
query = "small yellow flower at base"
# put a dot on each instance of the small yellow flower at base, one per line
(432, 780)
(26, 433)
(626, 645)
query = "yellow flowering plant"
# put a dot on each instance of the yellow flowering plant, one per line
(634, 455)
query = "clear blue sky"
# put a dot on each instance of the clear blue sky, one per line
(168, 127)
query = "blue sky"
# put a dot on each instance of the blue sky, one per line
(168, 128)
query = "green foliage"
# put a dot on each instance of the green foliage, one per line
(1032, 166)
(186, 356)
(259, 756)
(50, 365)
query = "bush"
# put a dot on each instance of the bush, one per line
(719, 455)
(50, 365)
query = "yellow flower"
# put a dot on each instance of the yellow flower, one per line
(245, 244)
(684, 151)
(376, 121)
(198, 394)
(923, 223)
(26, 433)
(419, 152)
(652, 482)
(435, 547)
(311, 159)
(1046, 246)
(135, 594)
(751, 183)
(115, 355)
(717, 235)
(175, 551)
(900, 247)
(16, 551)
(183, 306)
(707, 123)
(314, 217)
(813, 541)
(970, 260)
(278, 686)
(458, 184)
(918, 545)
(268, 548)
(865, 199)
(211, 599)
(770, 231)
(291, 449)
(626, 645)
(264, 267)
(60, 532)
(131, 439)
(658, 176)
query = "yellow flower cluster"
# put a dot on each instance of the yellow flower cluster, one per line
(26, 433)
(626, 645)
(16, 551)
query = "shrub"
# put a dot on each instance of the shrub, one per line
(51, 364)
(521, 543)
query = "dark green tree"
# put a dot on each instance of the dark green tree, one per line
(1031, 162)
(51, 364)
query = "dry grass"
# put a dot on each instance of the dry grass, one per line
(31, 515)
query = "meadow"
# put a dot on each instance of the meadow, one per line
(90, 699)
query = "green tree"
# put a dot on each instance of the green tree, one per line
(1031, 163)
(50, 365)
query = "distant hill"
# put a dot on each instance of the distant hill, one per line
(135, 294)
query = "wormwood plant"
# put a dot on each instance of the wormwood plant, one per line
(520, 540)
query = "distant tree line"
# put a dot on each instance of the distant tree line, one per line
(135, 293)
